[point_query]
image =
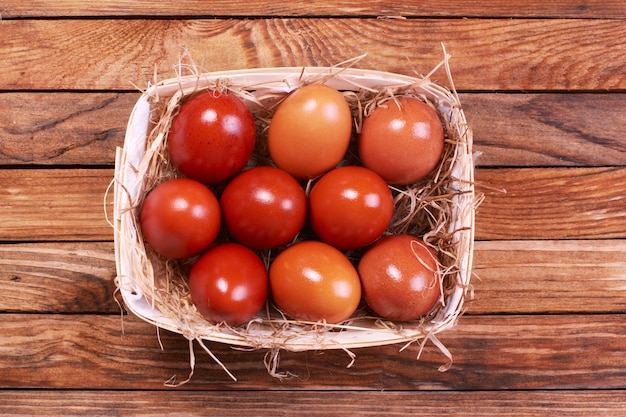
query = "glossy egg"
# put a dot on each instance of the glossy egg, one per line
(313, 281)
(310, 131)
(400, 278)
(180, 218)
(212, 137)
(228, 283)
(350, 207)
(402, 141)
(263, 207)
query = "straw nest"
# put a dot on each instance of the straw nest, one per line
(439, 209)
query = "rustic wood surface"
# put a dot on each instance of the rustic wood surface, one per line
(543, 85)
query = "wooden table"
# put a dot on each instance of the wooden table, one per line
(542, 85)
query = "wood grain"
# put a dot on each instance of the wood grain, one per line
(260, 8)
(530, 352)
(63, 128)
(58, 277)
(509, 129)
(546, 129)
(574, 403)
(543, 86)
(488, 54)
(538, 277)
(511, 277)
(68, 204)
(568, 203)
(54, 204)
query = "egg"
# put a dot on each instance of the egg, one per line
(400, 277)
(310, 131)
(402, 140)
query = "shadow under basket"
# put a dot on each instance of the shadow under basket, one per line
(155, 289)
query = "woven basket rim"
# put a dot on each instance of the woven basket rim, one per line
(128, 186)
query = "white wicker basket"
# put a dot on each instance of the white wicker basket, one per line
(135, 270)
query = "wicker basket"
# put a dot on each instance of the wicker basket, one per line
(159, 296)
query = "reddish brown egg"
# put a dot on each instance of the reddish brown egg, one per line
(400, 278)
(212, 137)
(402, 141)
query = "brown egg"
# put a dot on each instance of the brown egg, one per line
(310, 131)
(400, 278)
(402, 141)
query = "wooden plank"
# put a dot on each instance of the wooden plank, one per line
(260, 8)
(487, 54)
(54, 204)
(568, 203)
(550, 203)
(575, 403)
(512, 277)
(547, 129)
(58, 277)
(490, 353)
(509, 129)
(549, 277)
(63, 128)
